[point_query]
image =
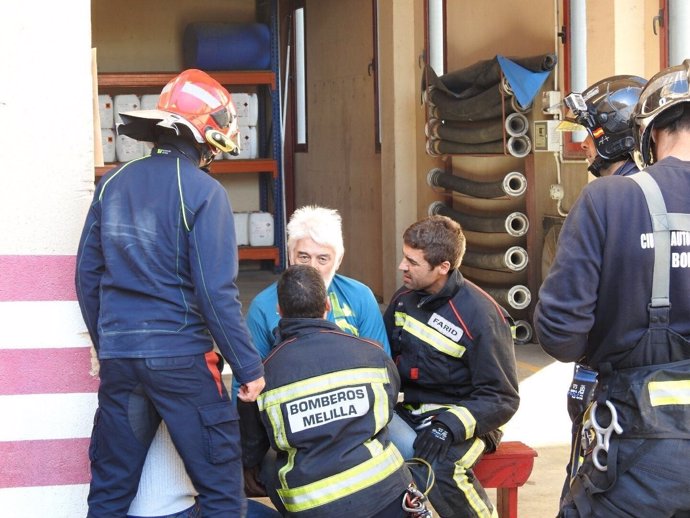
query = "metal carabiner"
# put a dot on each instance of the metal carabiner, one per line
(602, 434)
(414, 503)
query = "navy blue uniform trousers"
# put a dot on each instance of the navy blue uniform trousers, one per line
(188, 394)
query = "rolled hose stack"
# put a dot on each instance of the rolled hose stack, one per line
(514, 259)
(523, 332)
(516, 297)
(492, 262)
(474, 110)
(513, 184)
(518, 147)
(516, 223)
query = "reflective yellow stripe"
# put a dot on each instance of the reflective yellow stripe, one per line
(400, 318)
(466, 485)
(319, 384)
(374, 446)
(179, 187)
(271, 400)
(275, 416)
(343, 484)
(100, 196)
(429, 335)
(460, 412)
(425, 408)
(669, 392)
(340, 314)
(346, 326)
(338, 309)
(466, 418)
(381, 415)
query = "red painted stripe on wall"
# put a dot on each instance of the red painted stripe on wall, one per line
(44, 463)
(37, 277)
(46, 371)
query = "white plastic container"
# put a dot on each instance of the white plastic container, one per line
(127, 149)
(261, 229)
(108, 143)
(249, 142)
(125, 103)
(149, 101)
(242, 228)
(247, 106)
(105, 111)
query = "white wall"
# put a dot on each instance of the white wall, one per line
(47, 396)
(46, 141)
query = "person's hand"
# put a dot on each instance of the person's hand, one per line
(252, 485)
(250, 391)
(433, 442)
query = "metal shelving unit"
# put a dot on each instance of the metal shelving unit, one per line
(268, 167)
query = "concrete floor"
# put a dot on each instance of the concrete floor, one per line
(541, 422)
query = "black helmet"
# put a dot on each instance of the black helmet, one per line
(605, 110)
(661, 103)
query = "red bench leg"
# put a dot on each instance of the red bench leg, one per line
(507, 502)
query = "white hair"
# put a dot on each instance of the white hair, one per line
(320, 224)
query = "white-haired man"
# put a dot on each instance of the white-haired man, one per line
(315, 238)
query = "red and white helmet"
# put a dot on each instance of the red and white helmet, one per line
(191, 100)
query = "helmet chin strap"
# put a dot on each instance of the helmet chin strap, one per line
(207, 156)
(599, 164)
(596, 166)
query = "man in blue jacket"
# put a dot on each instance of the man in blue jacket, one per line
(616, 300)
(605, 111)
(156, 271)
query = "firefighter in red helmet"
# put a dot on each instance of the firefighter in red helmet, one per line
(156, 283)
(194, 106)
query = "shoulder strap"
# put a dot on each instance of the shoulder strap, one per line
(663, 224)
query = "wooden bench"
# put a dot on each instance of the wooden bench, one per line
(506, 469)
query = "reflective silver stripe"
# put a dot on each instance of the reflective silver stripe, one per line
(432, 337)
(466, 486)
(322, 383)
(669, 392)
(343, 484)
(466, 418)
(201, 94)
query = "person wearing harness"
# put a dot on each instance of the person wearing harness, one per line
(325, 410)
(616, 300)
(605, 111)
(454, 349)
(156, 283)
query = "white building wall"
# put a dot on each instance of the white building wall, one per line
(47, 396)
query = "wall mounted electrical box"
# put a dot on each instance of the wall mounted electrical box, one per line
(546, 137)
